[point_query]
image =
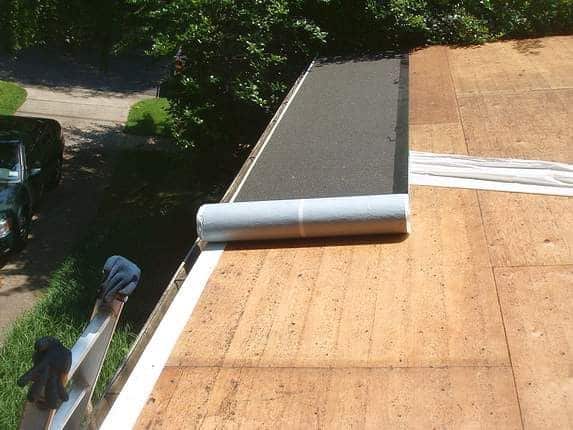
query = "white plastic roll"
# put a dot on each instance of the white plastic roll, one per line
(283, 219)
(494, 174)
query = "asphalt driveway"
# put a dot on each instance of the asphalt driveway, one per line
(92, 107)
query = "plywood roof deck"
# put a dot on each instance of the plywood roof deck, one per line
(466, 323)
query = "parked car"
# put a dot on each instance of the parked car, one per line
(31, 155)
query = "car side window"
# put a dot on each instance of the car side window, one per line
(48, 142)
(34, 156)
(41, 150)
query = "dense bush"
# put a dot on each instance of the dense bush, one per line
(376, 24)
(103, 25)
(243, 55)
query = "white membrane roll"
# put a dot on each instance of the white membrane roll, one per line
(283, 219)
(494, 174)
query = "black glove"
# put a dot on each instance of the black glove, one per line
(120, 276)
(52, 362)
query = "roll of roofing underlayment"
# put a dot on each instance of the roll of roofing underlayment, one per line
(296, 218)
(494, 174)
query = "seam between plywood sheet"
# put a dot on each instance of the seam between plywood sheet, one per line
(536, 300)
(519, 266)
(338, 367)
(501, 313)
(369, 398)
(463, 95)
(460, 119)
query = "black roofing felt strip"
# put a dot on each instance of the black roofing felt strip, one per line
(402, 127)
(344, 134)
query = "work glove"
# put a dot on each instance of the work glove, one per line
(52, 362)
(120, 277)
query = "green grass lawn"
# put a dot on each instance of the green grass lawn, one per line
(147, 215)
(11, 97)
(149, 118)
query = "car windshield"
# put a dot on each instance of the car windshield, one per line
(10, 166)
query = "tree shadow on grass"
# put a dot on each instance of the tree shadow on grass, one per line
(145, 211)
(145, 126)
(63, 213)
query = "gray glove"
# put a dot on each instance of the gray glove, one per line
(120, 277)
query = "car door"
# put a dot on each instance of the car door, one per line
(36, 169)
(55, 146)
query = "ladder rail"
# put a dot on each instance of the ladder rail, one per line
(88, 355)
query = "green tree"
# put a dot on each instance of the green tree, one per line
(241, 57)
(104, 25)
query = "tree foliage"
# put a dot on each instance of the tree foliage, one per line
(372, 24)
(242, 55)
(103, 25)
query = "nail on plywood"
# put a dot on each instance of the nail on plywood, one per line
(428, 300)
(533, 125)
(432, 97)
(527, 230)
(438, 138)
(513, 67)
(536, 304)
(340, 398)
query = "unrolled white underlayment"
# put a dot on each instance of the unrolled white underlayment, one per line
(494, 174)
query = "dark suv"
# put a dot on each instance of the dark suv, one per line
(31, 151)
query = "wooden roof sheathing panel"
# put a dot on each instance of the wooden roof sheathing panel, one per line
(507, 99)
(290, 334)
(295, 398)
(513, 66)
(366, 304)
(432, 95)
(534, 125)
(528, 230)
(536, 303)
(438, 138)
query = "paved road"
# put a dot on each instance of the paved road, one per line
(91, 106)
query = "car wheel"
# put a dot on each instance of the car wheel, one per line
(23, 221)
(57, 173)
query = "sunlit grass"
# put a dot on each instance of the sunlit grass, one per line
(148, 216)
(149, 118)
(11, 97)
